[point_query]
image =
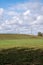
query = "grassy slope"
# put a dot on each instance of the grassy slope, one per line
(9, 41)
(16, 36)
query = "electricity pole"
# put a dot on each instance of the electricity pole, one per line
(31, 30)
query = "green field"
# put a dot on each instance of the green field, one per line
(29, 43)
(9, 41)
(21, 50)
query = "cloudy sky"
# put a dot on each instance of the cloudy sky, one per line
(21, 16)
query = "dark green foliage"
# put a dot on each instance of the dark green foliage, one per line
(39, 34)
(19, 56)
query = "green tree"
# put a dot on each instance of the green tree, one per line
(39, 34)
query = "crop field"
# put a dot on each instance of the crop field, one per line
(21, 50)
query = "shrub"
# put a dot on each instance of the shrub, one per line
(39, 34)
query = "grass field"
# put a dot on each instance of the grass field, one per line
(9, 41)
(19, 50)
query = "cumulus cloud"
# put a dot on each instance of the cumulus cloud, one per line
(21, 18)
(39, 20)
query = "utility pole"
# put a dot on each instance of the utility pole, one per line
(31, 30)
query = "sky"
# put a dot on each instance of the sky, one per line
(21, 16)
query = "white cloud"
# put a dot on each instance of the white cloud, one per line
(40, 17)
(0, 27)
(21, 17)
(27, 12)
(39, 20)
(20, 22)
(11, 13)
(1, 11)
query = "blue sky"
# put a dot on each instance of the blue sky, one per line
(6, 3)
(20, 16)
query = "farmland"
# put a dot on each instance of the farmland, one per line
(9, 41)
(21, 49)
(29, 43)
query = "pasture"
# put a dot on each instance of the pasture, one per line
(21, 50)
(20, 40)
(28, 43)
